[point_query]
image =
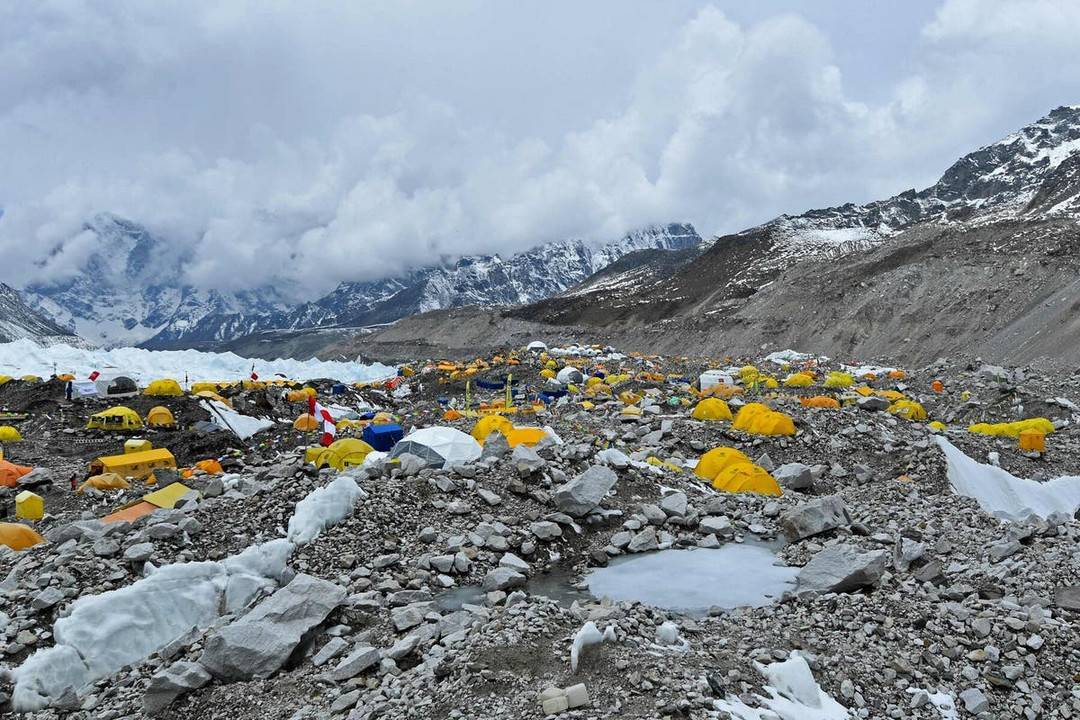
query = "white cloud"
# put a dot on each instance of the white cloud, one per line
(352, 141)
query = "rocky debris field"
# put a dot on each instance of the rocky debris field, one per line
(396, 590)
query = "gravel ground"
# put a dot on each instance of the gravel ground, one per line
(950, 599)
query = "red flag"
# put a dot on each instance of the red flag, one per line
(319, 412)
(254, 375)
(95, 375)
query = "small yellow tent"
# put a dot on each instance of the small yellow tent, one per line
(115, 418)
(160, 416)
(489, 424)
(166, 387)
(305, 423)
(9, 434)
(798, 380)
(711, 409)
(837, 380)
(713, 462)
(746, 478)
(525, 436)
(908, 409)
(105, 481)
(759, 419)
(344, 453)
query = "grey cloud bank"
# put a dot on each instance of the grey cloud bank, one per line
(353, 141)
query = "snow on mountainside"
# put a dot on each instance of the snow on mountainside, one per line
(18, 321)
(1031, 175)
(130, 289)
(472, 280)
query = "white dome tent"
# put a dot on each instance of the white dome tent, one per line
(570, 374)
(439, 447)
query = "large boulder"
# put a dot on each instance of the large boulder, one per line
(814, 517)
(526, 460)
(842, 568)
(259, 643)
(503, 578)
(172, 682)
(794, 476)
(582, 494)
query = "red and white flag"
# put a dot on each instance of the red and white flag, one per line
(94, 375)
(254, 375)
(320, 413)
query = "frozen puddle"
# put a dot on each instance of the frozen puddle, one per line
(692, 581)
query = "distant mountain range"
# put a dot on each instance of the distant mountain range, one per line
(130, 292)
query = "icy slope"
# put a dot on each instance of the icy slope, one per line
(26, 357)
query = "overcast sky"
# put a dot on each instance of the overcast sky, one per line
(327, 141)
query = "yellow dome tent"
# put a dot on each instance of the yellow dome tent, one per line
(106, 481)
(711, 409)
(115, 418)
(759, 419)
(383, 418)
(344, 453)
(908, 409)
(9, 434)
(746, 478)
(5, 379)
(837, 380)
(160, 416)
(488, 424)
(166, 387)
(713, 462)
(18, 536)
(306, 423)
(798, 380)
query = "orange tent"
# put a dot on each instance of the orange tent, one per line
(18, 536)
(10, 473)
(130, 513)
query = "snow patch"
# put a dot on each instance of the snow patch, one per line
(793, 695)
(1004, 495)
(323, 508)
(103, 633)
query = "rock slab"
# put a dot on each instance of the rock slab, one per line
(259, 643)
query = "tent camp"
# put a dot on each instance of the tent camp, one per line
(166, 387)
(439, 447)
(115, 386)
(115, 418)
